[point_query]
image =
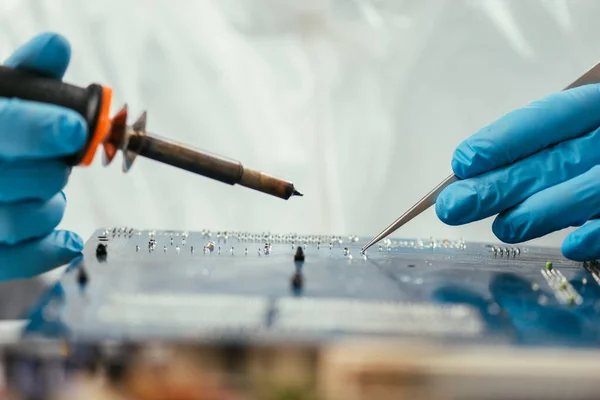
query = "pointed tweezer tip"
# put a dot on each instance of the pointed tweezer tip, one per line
(372, 242)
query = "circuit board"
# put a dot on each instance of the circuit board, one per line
(234, 286)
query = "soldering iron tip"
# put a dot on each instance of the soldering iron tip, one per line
(296, 193)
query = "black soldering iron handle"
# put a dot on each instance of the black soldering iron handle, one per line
(27, 85)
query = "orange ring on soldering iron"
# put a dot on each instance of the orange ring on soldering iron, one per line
(102, 127)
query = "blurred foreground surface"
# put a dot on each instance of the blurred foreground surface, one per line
(149, 314)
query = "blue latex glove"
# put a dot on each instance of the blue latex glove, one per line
(34, 138)
(538, 167)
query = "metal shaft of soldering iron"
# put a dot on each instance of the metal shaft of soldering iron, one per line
(208, 165)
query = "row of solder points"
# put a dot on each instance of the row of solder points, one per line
(224, 236)
(119, 231)
(292, 238)
(211, 247)
(334, 241)
(505, 251)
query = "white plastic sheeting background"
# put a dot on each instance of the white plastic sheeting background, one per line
(360, 103)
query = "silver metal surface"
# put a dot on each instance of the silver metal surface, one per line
(415, 210)
(591, 76)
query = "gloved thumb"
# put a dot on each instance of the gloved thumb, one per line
(48, 54)
(34, 257)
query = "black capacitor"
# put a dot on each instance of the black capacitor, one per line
(299, 256)
(101, 251)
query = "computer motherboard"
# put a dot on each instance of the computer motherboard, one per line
(310, 316)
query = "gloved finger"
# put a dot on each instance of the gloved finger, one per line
(37, 256)
(32, 180)
(30, 130)
(524, 131)
(584, 243)
(48, 54)
(570, 203)
(30, 219)
(495, 191)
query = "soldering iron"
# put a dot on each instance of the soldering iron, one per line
(114, 134)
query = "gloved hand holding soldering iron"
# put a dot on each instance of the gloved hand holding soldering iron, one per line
(535, 167)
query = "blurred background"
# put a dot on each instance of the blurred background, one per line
(360, 103)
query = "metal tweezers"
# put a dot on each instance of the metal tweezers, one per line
(591, 76)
